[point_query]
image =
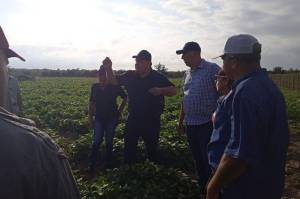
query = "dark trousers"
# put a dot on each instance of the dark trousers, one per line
(103, 129)
(198, 137)
(148, 129)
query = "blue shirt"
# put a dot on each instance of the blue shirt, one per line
(200, 94)
(259, 136)
(221, 131)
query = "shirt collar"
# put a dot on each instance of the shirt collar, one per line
(252, 74)
(149, 74)
(201, 65)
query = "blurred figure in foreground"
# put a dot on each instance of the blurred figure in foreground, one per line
(32, 165)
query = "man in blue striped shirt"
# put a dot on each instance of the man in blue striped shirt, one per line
(199, 102)
(252, 164)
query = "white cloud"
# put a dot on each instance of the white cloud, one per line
(78, 33)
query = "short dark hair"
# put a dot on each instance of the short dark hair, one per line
(254, 57)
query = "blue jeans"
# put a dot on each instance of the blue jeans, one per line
(101, 129)
(198, 137)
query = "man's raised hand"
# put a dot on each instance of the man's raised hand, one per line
(107, 64)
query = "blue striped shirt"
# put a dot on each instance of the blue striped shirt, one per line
(200, 94)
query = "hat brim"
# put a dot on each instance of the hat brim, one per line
(11, 53)
(218, 56)
(140, 58)
(179, 52)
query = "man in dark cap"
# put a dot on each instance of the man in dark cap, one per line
(32, 165)
(146, 89)
(199, 102)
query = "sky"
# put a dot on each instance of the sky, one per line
(69, 34)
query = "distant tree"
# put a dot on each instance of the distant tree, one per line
(293, 70)
(278, 70)
(161, 68)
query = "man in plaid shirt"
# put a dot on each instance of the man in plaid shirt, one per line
(199, 103)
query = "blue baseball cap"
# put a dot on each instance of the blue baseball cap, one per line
(189, 46)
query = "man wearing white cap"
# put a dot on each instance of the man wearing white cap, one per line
(253, 159)
(32, 165)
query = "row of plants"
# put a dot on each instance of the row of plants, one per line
(59, 105)
(292, 99)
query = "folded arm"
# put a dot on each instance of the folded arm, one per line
(165, 91)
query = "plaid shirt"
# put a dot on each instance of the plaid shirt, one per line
(200, 94)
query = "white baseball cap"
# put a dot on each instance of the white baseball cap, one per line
(240, 44)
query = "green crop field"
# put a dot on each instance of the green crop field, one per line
(59, 106)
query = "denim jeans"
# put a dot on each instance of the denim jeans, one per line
(198, 137)
(103, 129)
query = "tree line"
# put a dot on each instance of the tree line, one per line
(25, 74)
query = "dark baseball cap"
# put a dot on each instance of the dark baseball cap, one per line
(189, 46)
(143, 55)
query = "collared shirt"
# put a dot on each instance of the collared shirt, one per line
(200, 94)
(221, 132)
(259, 136)
(141, 103)
(32, 165)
